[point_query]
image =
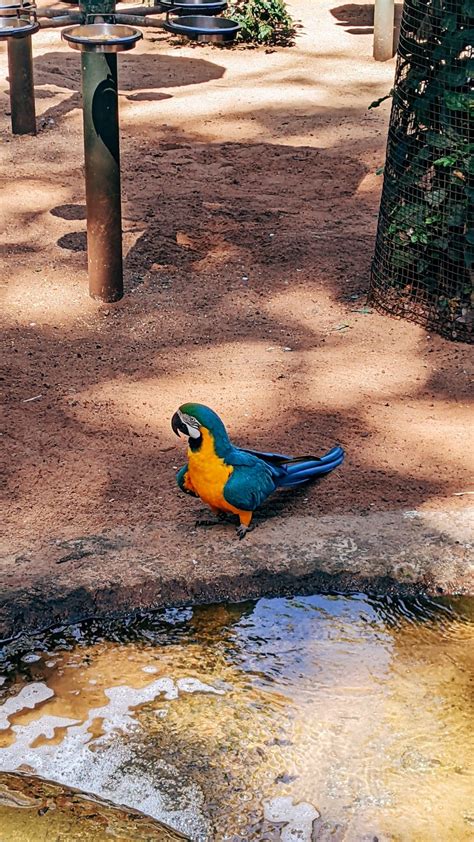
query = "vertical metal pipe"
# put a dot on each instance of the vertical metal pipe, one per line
(102, 167)
(384, 22)
(22, 95)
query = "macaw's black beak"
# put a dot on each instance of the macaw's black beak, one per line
(178, 426)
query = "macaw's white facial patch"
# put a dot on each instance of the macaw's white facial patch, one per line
(194, 433)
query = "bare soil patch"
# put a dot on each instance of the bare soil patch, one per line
(250, 207)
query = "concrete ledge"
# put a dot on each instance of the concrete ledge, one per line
(117, 572)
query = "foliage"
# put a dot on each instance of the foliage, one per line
(427, 216)
(263, 21)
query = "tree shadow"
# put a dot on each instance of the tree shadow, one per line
(235, 251)
(360, 17)
(203, 208)
(70, 211)
(232, 208)
(140, 72)
(141, 77)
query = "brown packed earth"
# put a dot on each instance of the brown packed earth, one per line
(250, 206)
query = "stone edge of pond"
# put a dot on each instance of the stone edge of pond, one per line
(115, 573)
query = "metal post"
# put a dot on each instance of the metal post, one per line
(22, 95)
(102, 167)
(384, 22)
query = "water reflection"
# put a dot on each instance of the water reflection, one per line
(350, 715)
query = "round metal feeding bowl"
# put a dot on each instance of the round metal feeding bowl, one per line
(17, 19)
(10, 11)
(203, 28)
(102, 37)
(16, 26)
(201, 7)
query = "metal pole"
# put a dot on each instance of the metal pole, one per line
(384, 22)
(102, 167)
(22, 95)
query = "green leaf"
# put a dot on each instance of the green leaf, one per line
(458, 102)
(446, 161)
(380, 170)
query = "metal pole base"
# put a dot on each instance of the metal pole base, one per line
(22, 95)
(102, 168)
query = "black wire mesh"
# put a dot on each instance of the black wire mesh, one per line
(424, 255)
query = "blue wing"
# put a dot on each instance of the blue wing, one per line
(250, 483)
(182, 478)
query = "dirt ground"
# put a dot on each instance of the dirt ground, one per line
(250, 206)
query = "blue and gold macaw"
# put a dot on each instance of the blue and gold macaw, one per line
(232, 480)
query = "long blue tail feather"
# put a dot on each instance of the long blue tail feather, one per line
(299, 477)
(313, 470)
(289, 472)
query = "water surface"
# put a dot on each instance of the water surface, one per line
(324, 717)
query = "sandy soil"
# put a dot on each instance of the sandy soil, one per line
(250, 207)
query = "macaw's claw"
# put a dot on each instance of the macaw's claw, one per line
(242, 530)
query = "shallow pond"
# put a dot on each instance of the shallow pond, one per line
(325, 717)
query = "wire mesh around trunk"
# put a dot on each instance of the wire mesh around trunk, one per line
(424, 255)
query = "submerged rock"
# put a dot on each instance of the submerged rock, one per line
(33, 810)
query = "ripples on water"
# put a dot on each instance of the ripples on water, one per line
(345, 717)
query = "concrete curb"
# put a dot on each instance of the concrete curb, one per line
(118, 572)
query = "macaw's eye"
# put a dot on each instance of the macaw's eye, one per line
(189, 420)
(192, 425)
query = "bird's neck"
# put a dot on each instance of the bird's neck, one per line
(208, 445)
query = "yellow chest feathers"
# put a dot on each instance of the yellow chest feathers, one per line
(208, 472)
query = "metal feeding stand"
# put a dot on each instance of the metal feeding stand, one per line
(99, 45)
(17, 25)
(99, 33)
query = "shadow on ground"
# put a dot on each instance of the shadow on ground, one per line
(139, 76)
(358, 19)
(246, 269)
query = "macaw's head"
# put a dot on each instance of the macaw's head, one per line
(193, 419)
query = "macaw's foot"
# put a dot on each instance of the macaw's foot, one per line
(218, 519)
(242, 530)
